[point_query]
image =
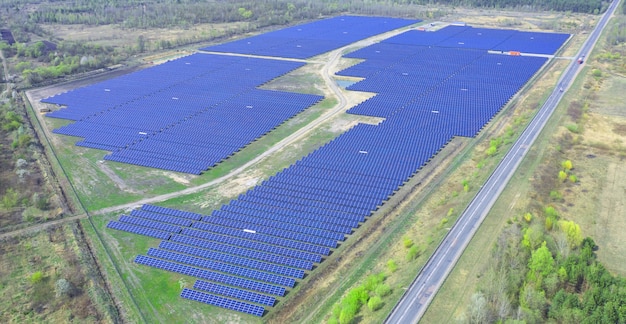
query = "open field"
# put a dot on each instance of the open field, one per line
(47, 277)
(111, 35)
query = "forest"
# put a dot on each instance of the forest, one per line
(150, 14)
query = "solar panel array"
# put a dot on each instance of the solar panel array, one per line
(186, 115)
(258, 245)
(484, 38)
(307, 40)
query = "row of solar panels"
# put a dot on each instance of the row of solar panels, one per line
(205, 110)
(291, 216)
(485, 39)
(311, 39)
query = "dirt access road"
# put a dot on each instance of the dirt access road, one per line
(330, 61)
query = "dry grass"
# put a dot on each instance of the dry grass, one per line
(111, 35)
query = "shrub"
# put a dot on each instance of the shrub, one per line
(407, 242)
(63, 288)
(36, 277)
(562, 175)
(10, 198)
(573, 128)
(567, 165)
(573, 178)
(551, 212)
(382, 290)
(41, 202)
(392, 266)
(375, 303)
(555, 195)
(528, 217)
(372, 282)
(413, 253)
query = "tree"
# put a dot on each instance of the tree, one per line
(541, 261)
(246, 14)
(479, 312)
(572, 232)
(141, 44)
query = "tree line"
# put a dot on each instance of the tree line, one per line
(184, 13)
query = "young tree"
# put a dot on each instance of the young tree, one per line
(541, 261)
(572, 232)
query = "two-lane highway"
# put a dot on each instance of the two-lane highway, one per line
(421, 292)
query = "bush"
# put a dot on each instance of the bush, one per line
(573, 128)
(562, 175)
(372, 282)
(555, 195)
(375, 303)
(528, 217)
(413, 253)
(392, 266)
(63, 288)
(41, 202)
(573, 178)
(36, 277)
(407, 242)
(567, 165)
(10, 198)
(382, 290)
(551, 212)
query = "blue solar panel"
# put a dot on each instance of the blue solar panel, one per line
(222, 302)
(258, 237)
(161, 217)
(210, 275)
(225, 218)
(150, 223)
(139, 230)
(172, 212)
(221, 267)
(255, 245)
(234, 293)
(245, 252)
(307, 40)
(223, 257)
(206, 109)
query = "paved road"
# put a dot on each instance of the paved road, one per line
(421, 292)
